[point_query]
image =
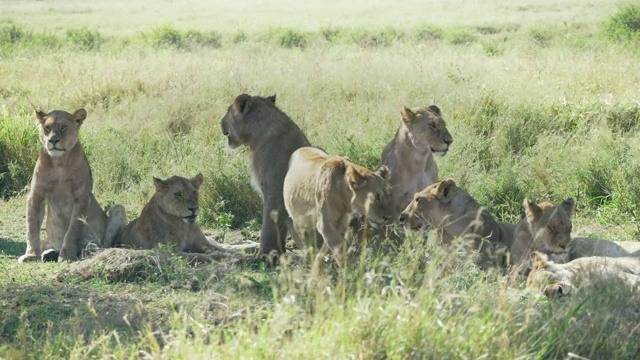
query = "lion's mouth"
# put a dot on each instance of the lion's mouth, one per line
(190, 218)
(439, 152)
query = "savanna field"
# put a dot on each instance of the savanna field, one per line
(542, 99)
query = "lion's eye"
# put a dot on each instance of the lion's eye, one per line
(195, 194)
(552, 229)
(178, 195)
(47, 128)
(63, 128)
(432, 126)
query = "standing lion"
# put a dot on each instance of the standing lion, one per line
(62, 177)
(272, 137)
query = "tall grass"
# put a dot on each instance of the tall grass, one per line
(537, 110)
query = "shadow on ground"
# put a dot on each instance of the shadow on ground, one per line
(11, 247)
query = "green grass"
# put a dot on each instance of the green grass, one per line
(539, 102)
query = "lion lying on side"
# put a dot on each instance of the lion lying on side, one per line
(170, 217)
(452, 210)
(62, 177)
(558, 280)
(409, 155)
(271, 137)
(322, 193)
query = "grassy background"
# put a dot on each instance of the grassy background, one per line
(541, 98)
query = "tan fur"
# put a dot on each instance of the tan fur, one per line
(584, 247)
(409, 155)
(63, 178)
(271, 137)
(546, 228)
(452, 210)
(558, 280)
(322, 193)
(170, 218)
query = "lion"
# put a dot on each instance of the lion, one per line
(585, 247)
(170, 218)
(62, 177)
(272, 137)
(559, 280)
(323, 192)
(450, 209)
(546, 228)
(409, 156)
(455, 214)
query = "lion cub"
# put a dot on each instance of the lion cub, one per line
(170, 217)
(558, 280)
(409, 155)
(62, 177)
(322, 193)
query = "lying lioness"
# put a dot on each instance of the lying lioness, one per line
(62, 177)
(322, 193)
(452, 210)
(170, 217)
(558, 280)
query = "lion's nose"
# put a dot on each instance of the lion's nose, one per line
(402, 218)
(193, 209)
(448, 141)
(54, 141)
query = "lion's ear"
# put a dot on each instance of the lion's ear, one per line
(355, 179)
(408, 116)
(384, 172)
(272, 98)
(434, 109)
(40, 116)
(444, 190)
(79, 116)
(532, 210)
(538, 260)
(569, 206)
(197, 180)
(161, 185)
(241, 103)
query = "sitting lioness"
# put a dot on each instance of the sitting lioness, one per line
(452, 210)
(170, 217)
(271, 137)
(322, 193)
(558, 280)
(409, 155)
(62, 177)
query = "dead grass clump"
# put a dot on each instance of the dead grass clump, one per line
(125, 265)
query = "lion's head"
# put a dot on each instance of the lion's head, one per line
(372, 192)
(550, 224)
(179, 196)
(552, 280)
(443, 205)
(426, 129)
(233, 124)
(59, 130)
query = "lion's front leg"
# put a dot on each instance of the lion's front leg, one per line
(69, 251)
(273, 233)
(35, 216)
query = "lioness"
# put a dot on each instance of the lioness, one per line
(452, 210)
(272, 137)
(558, 280)
(546, 228)
(584, 247)
(62, 177)
(170, 217)
(409, 155)
(322, 193)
